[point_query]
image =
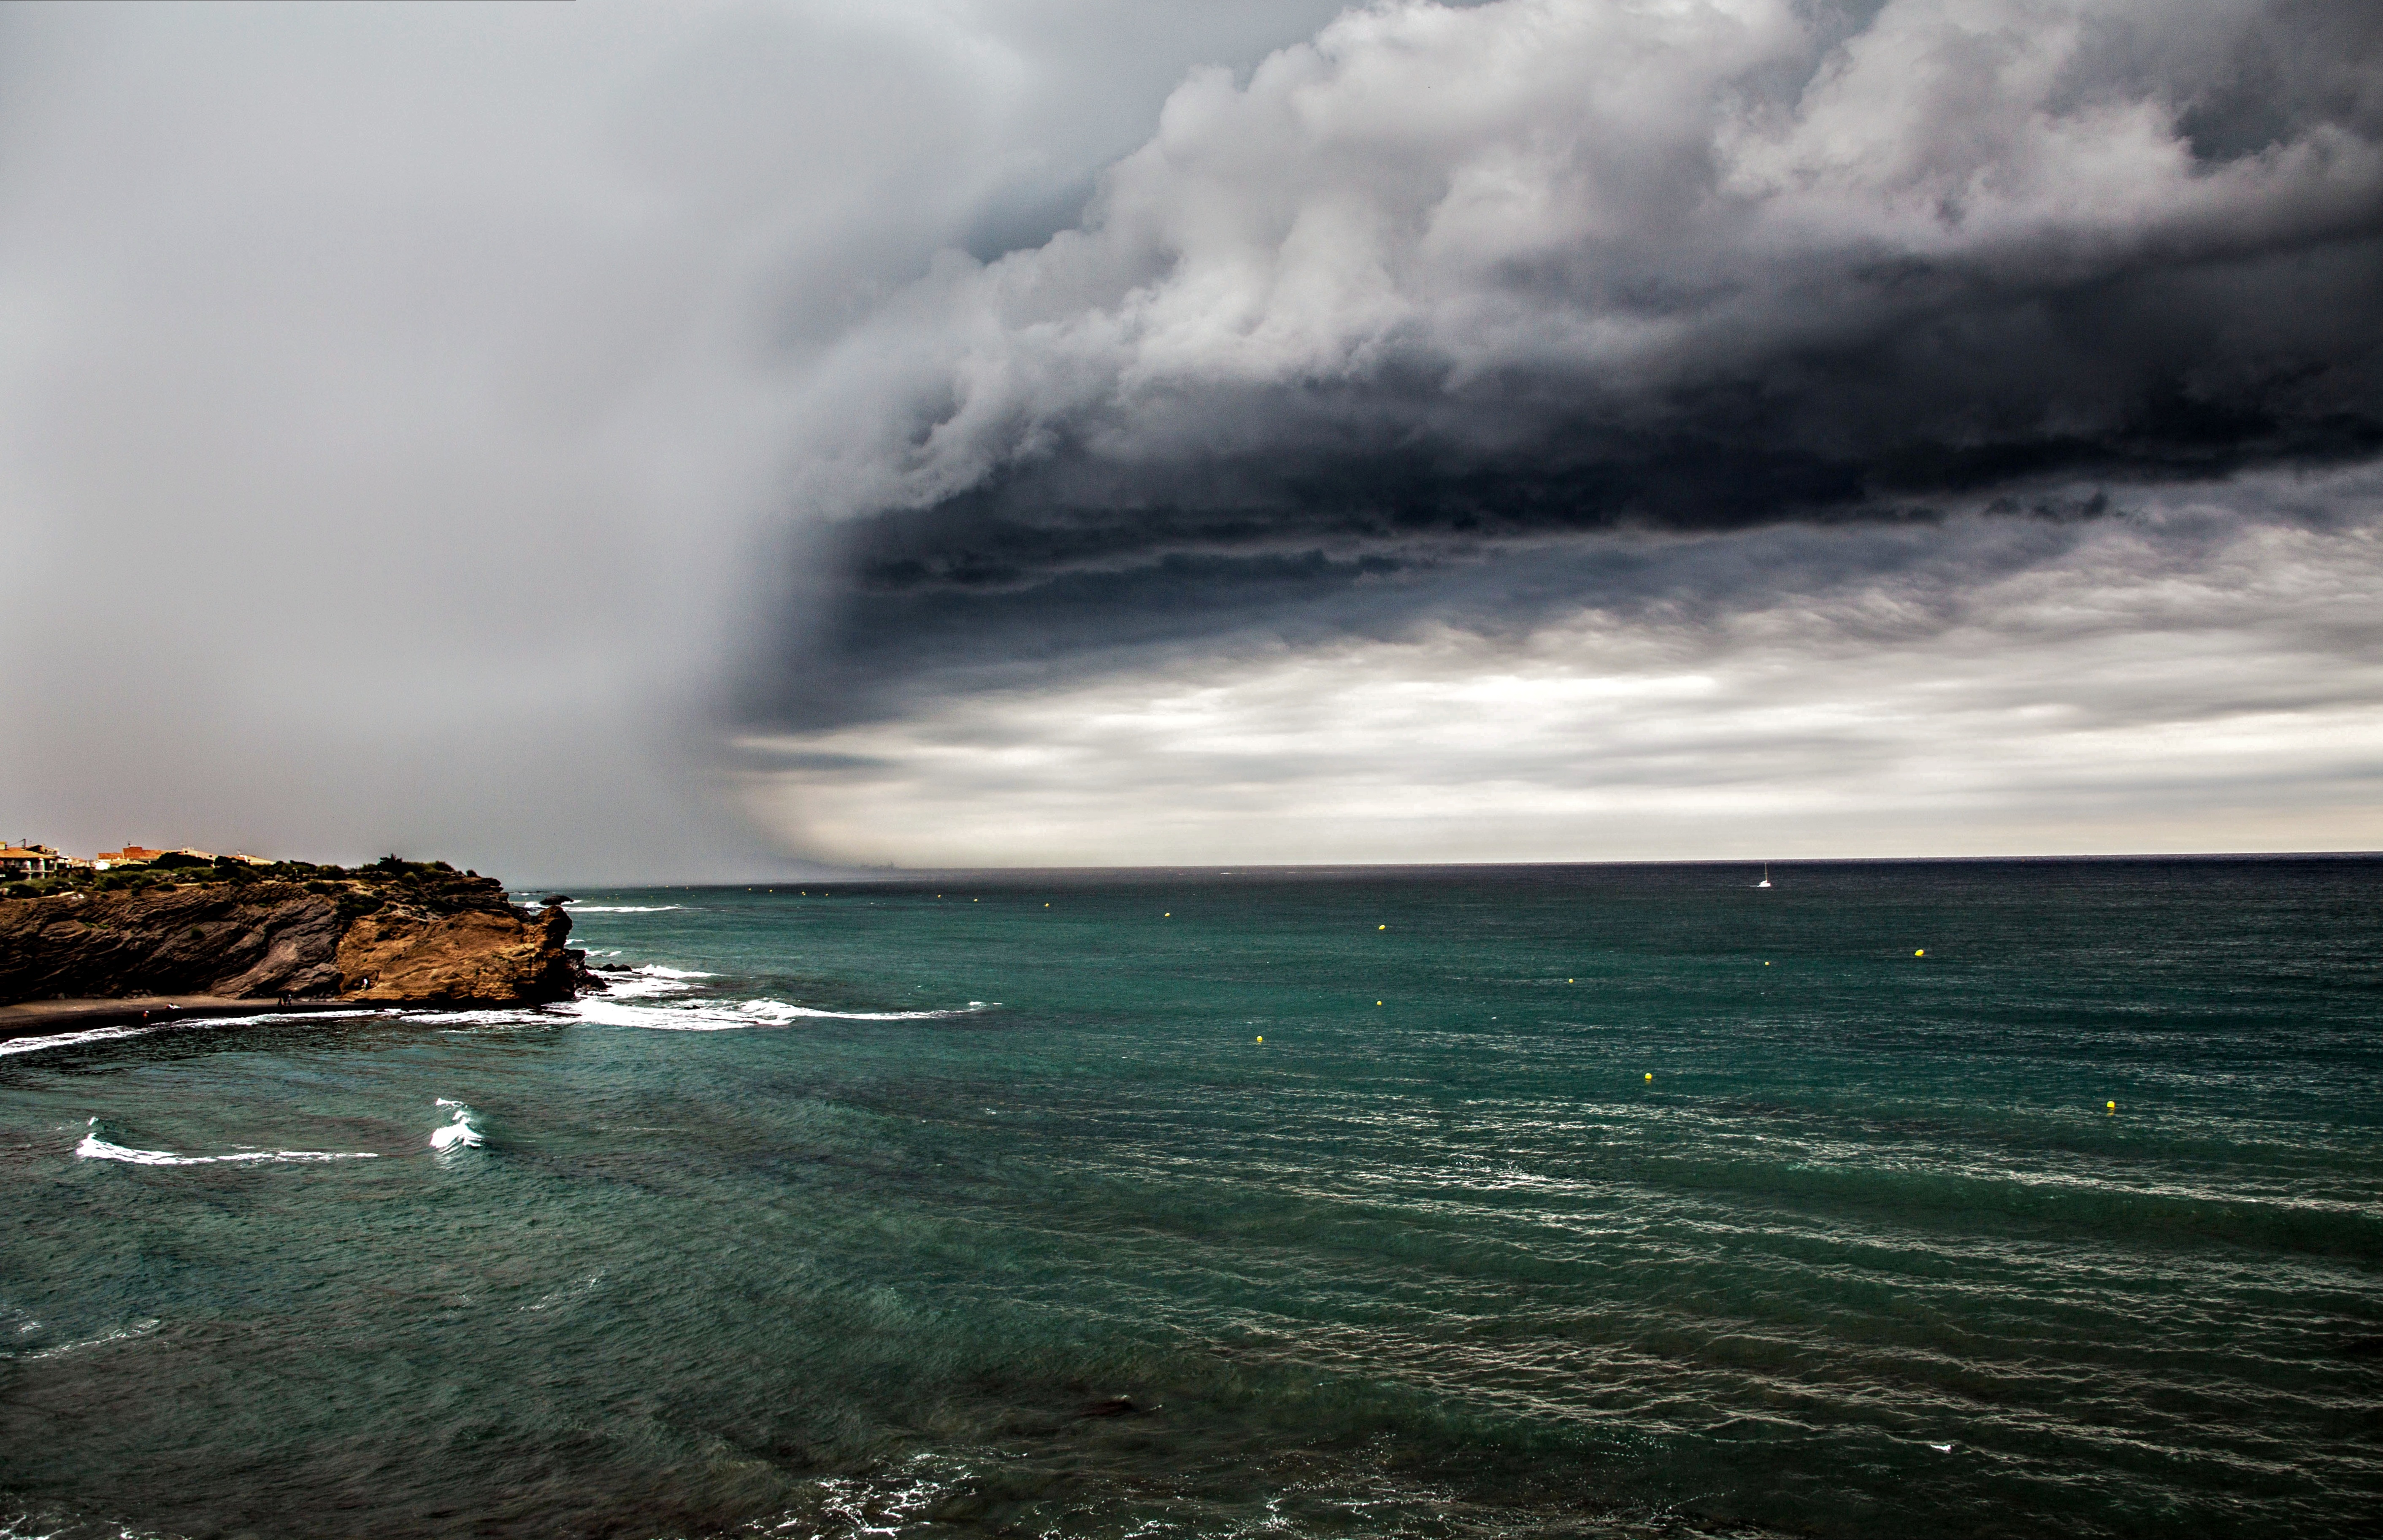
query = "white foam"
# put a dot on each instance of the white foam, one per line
(68, 1039)
(588, 1284)
(94, 1148)
(504, 1015)
(611, 1011)
(639, 983)
(137, 1328)
(623, 908)
(106, 1034)
(709, 1016)
(779, 1011)
(457, 1132)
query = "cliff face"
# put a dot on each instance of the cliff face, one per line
(476, 955)
(445, 940)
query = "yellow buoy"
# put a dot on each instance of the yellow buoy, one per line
(1262, 1037)
(1922, 953)
(1650, 1075)
(1377, 1002)
(1169, 915)
(2112, 1105)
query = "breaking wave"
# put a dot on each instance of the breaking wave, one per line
(622, 908)
(459, 1132)
(138, 1329)
(97, 1147)
(712, 1017)
(652, 978)
(507, 1018)
(109, 1034)
(68, 1039)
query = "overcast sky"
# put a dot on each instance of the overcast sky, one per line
(619, 442)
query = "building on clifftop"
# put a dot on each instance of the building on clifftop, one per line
(19, 861)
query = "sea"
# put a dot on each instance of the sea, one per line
(1896, 1198)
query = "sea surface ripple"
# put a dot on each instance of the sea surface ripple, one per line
(1960, 1198)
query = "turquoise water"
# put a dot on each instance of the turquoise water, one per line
(979, 1209)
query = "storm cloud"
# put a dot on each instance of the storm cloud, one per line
(1409, 324)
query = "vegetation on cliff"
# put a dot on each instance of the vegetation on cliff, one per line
(175, 869)
(396, 931)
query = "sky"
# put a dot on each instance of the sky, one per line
(615, 443)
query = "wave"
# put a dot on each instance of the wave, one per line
(623, 908)
(779, 1010)
(458, 1132)
(96, 1148)
(691, 1017)
(515, 1017)
(585, 1286)
(138, 1329)
(68, 1039)
(108, 1034)
(638, 983)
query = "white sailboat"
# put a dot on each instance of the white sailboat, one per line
(1766, 875)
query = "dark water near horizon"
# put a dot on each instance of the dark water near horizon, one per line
(981, 1209)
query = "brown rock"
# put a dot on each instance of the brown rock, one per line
(421, 938)
(265, 938)
(478, 957)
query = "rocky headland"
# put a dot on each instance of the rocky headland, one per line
(396, 933)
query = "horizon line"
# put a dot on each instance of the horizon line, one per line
(901, 874)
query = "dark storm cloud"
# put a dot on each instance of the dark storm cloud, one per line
(1394, 330)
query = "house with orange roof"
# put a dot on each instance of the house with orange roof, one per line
(24, 859)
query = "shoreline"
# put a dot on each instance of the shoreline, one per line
(34, 1018)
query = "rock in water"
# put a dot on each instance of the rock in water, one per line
(480, 955)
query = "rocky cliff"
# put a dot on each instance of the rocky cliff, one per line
(400, 934)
